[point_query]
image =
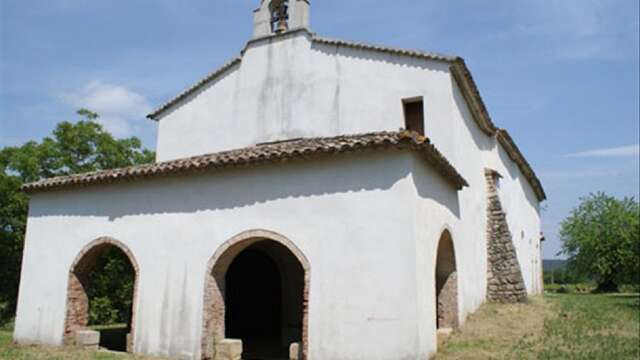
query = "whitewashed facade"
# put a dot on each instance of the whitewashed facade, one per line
(368, 224)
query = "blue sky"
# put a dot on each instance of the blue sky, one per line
(561, 75)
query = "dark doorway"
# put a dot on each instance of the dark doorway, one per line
(446, 284)
(263, 299)
(254, 304)
(257, 291)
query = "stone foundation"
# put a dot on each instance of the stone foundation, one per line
(504, 276)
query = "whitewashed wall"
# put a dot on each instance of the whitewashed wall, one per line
(350, 216)
(289, 87)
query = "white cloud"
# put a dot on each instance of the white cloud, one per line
(119, 107)
(581, 29)
(614, 152)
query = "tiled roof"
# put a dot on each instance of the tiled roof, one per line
(471, 94)
(299, 149)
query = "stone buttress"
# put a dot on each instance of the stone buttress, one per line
(504, 276)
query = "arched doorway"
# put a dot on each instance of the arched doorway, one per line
(446, 284)
(256, 290)
(102, 291)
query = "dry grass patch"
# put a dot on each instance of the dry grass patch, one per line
(497, 331)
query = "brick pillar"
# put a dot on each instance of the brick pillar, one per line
(504, 276)
(77, 308)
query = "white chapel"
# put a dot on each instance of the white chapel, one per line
(312, 198)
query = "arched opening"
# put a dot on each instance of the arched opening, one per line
(101, 294)
(256, 291)
(446, 284)
(279, 10)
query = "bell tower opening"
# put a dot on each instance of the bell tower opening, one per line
(279, 16)
(279, 10)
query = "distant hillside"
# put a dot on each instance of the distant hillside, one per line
(550, 265)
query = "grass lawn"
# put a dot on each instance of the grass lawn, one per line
(558, 326)
(13, 352)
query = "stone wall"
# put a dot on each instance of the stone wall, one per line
(504, 276)
(448, 302)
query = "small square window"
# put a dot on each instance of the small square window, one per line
(414, 115)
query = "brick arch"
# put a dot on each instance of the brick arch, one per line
(77, 300)
(446, 282)
(213, 323)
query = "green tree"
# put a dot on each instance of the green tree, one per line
(110, 289)
(602, 239)
(77, 147)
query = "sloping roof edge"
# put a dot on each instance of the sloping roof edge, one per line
(194, 88)
(471, 94)
(262, 154)
(514, 154)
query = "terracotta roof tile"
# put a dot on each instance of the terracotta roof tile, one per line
(265, 153)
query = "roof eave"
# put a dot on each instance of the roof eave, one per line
(470, 92)
(258, 155)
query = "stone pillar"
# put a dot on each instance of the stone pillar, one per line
(77, 308)
(295, 351)
(229, 349)
(504, 276)
(87, 339)
(129, 343)
(299, 14)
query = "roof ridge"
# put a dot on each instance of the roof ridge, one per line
(377, 47)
